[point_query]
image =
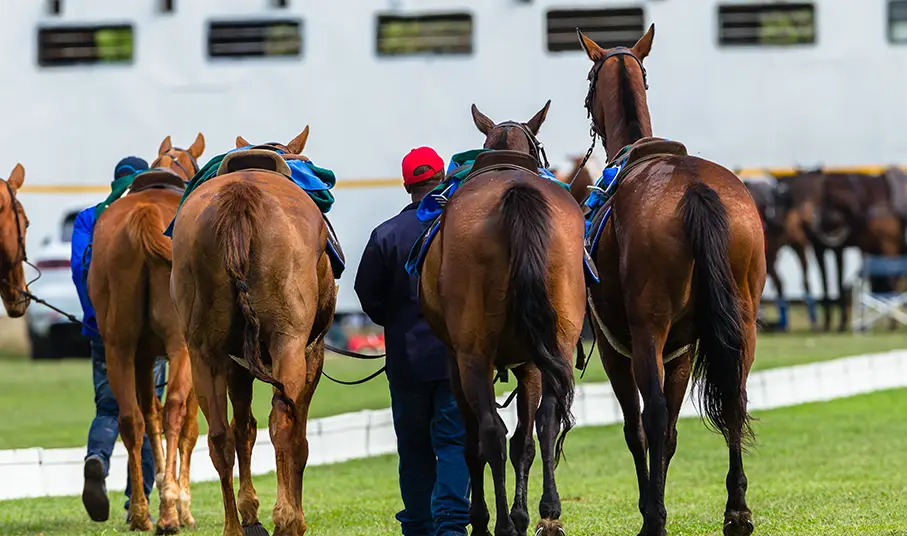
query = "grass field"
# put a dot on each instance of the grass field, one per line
(50, 404)
(832, 469)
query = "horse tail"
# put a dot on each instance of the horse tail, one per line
(239, 203)
(526, 221)
(145, 228)
(718, 367)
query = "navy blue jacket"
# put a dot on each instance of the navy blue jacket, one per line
(390, 297)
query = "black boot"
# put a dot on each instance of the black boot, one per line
(94, 494)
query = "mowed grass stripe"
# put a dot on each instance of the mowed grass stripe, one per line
(832, 469)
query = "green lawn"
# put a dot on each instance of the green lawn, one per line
(832, 469)
(50, 404)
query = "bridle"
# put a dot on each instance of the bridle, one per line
(179, 164)
(536, 149)
(597, 130)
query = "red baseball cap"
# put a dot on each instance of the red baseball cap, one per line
(421, 156)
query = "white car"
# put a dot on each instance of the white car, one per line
(50, 334)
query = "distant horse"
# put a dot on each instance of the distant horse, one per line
(841, 210)
(129, 286)
(502, 286)
(682, 267)
(783, 227)
(13, 223)
(252, 278)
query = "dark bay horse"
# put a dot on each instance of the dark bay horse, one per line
(682, 267)
(129, 286)
(502, 286)
(840, 210)
(13, 223)
(252, 278)
(782, 226)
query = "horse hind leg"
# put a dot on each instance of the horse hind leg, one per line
(298, 368)
(187, 441)
(244, 430)
(211, 390)
(122, 377)
(522, 445)
(478, 391)
(479, 516)
(737, 515)
(620, 373)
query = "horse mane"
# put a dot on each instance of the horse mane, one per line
(628, 101)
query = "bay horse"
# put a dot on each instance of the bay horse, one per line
(681, 262)
(841, 210)
(502, 286)
(782, 226)
(252, 278)
(129, 286)
(13, 224)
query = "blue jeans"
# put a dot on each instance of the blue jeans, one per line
(104, 428)
(434, 479)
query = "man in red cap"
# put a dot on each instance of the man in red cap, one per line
(434, 479)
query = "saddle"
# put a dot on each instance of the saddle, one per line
(259, 157)
(501, 160)
(649, 148)
(266, 157)
(157, 179)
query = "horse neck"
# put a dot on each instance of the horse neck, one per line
(622, 128)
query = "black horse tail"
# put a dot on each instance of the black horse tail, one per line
(526, 222)
(239, 204)
(718, 367)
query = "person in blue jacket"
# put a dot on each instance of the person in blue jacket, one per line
(104, 429)
(434, 479)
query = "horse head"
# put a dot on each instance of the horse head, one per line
(13, 223)
(183, 162)
(514, 136)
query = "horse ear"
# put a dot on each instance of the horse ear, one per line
(17, 177)
(198, 146)
(166, 145)
(535, 123)
(482, 121)
(644, 45)
(298, 144)
(592, 49)
(241, 142)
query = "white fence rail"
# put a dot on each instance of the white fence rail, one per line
(38, 472)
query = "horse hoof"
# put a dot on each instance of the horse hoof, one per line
(254, 530)
(738, 524)
(167, 529)
(187, 521)
(550, 527)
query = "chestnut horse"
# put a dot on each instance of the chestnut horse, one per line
(13, 223)
(252, 278)
(502, 286)
(129, 286)
(682, 267)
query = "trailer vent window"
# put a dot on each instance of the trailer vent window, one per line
(897, 21)
(607, 27)
(255, 38)
(436, 34)
(766, 24)
(66, 46)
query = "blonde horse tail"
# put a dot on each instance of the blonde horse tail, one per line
(239, 203)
